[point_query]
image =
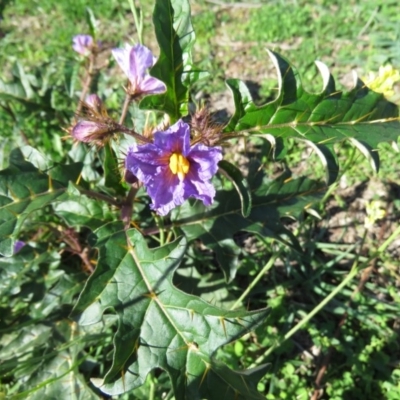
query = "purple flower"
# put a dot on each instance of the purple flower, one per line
(135, 61)
(82, 44)
(172, 170)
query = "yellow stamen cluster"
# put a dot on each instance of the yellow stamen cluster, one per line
(179, 165)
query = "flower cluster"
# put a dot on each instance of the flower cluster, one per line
(172, 170)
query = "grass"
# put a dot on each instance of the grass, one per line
(360, 350)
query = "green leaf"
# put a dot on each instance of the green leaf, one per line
(175, 36)
(55, 374)
(18, 270)
(92, 22)
(328, 159)
(271, 200)
(221, 383)
(25, 189)
(80, 210)
(240, 184)
(360, 115)
(111, 171)
(59, 379)
(159, 326)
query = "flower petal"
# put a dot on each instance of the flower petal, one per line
(135, 61)
(175, 139)
(122, 56)
(200, 190)
(18, 245)
(152, 85)
(207, 159)
(145, 161)
(82, 44)
(166, 192)
(141, 59)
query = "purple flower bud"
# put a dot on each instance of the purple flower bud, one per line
(135, 61)
(172, 170)
(18, 245)
(90, 131)
(94, 102)
(82, 44)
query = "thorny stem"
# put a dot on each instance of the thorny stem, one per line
(127, 205)
(88, 81)
(130, 132)
(152, 390)
(160, 224)
(125, 107)
(100, 196)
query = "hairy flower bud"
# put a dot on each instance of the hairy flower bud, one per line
(95, 126)
(205, 130)
(90, 131)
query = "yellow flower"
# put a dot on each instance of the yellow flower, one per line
(384, 81)
(374, 212)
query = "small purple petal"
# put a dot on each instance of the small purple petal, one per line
(175, 139)
(152, 85)
(82, 44)
(142, 58)
(205, 157)
(18, 245)
(150, 163)
(122, 58)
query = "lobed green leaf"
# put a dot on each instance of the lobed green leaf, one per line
(361, 115)
(159, 325)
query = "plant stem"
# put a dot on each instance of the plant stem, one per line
(100, 196)
(389, 240)
(254, 282)
(127, 206)
(138, 21)
(125, 107)
(160, 224)
(88, 82)
(152, 390)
